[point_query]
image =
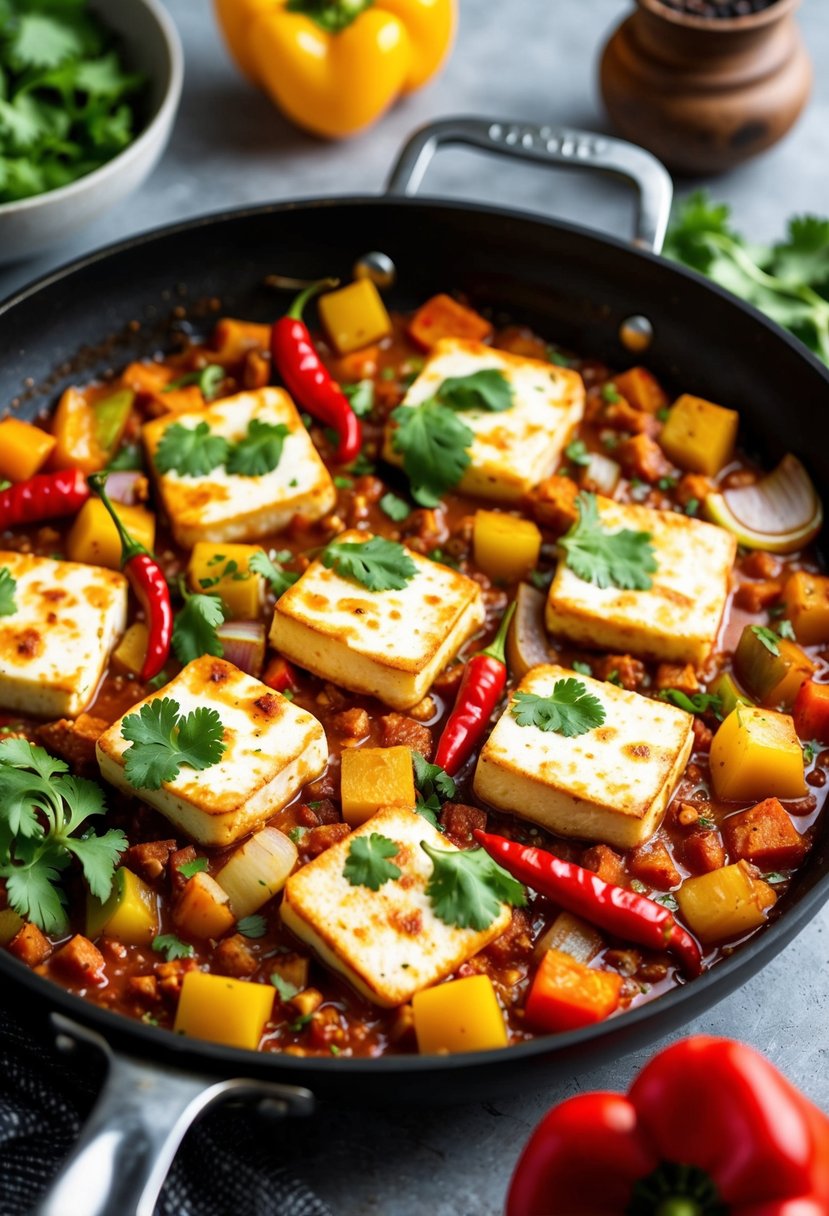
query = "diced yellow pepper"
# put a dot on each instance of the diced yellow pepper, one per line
(461, 1015)
(756, 754)
(130, 653)
(372, 777)
(222, 1010)
(203, 908)
(223, 570)
(23, 449)
(130, 915)
(93, 537)
(10, 925)
(354, 316)
(725, 903)
(699, 435)
(806, 597)
(506, 548)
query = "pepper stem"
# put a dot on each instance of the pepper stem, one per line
(495, 649)
(298, 307)
(129, 547)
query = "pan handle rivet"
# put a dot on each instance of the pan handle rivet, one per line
(378, 267)
(636, 333)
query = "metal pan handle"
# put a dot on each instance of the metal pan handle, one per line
(547, 145)
(119, 1164)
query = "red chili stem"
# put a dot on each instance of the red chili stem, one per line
(44, 496)
(307, 379)
(149, 584)
(616, 909)
(481, 686)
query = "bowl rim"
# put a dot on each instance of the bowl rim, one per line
(163, 116)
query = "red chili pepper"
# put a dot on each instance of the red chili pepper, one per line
(150, 586)
(483, 681)
(44, 496)
(616, 909)
(307, 380)
(708, 1127)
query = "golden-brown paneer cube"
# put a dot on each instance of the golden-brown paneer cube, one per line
(372, 777)
(506, 548)
(756, 754)
(699, 435)
(806, 597)
(93, 537)
(224, 570)
(354, 316)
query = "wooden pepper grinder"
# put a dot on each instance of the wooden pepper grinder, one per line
(706, 84)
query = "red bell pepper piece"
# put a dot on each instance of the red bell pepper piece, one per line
(566, 994)
(708, 1128)
(811, 711)
(44, 496)
(280, 675)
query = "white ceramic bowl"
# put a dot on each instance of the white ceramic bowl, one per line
(150, 45)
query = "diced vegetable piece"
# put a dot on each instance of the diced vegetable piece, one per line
(461, 1015)
(601, 475)
(257, 870)
(527, 642)
(30, 945)
(130, 653)
(10, 925)
(93, 537)
(233, 339)
(725, 903)
(443, 317)
(699, 435)
(506, 548)
(780, 513)
(806, 597)
(223, 1010)
(771, 668)
(728, 690)
(653, 864)
(354, 316)
(110, 416)
(756, 754)
(765, 836)
(147, 378)
(243, 645)
(130, 915)
(74, 431)
(372, 777)
(223, 570)
(203, 908)
(279, 674)
(811, 711)
(641, 389)
(800, 668)
(24, 449)
(566, 994)
(571, 936)
(80, 961)
(179, 400)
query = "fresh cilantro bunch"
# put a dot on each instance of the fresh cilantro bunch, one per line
(570, 709)
(42, 808)
(163, 740)
(67, 104)
(788, 281)
(622, 559)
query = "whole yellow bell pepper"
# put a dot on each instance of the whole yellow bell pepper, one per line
(334, 66)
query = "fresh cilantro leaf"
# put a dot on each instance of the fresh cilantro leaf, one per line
(196, 625)
(368, 863)
(577, 453)
(104, 77)
(172, 947)
(40, 40)
(541, 579)
(610, 393)
(484, 390)
(362, 466)
(279, 579)
(296, 834)
(774, 877)
(467, 887)
(252, 926)
(570, 709)
(692, 506)
(434, 443)
(558, 358)
(622, 559)
(209, 379)
(190, 451)
(377, 564)
(360, 397)
(8, 586)
(667, 900)
(396, 508)
(433, 787)
(98, 856)
(189, 869)
(584, 669)
(767, 637)
(693, 703)
(260, 451)
(784, 627)
(284, 987)
(300, 1023)
(34, 893)
(163, 740)
(343, 483)
(129, 458)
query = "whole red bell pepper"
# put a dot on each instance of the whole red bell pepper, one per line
(708, 1128)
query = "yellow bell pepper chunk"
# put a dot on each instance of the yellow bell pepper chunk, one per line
(93, 537)
(203, 908)
(222, 1010)
(372, 777)
(461, 1015)
(223, 570)
(806, 597)
(130, 915)
(699, 435)
(756, 754)
(10, 925)
(354, 316)
(725, 903)
(505, 548)
(131, 651)
(24, 449)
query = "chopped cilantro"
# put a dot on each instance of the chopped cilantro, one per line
(162, 740)
(570, 709)
(767, 637)
(260, 451)
(296, 834)
(368, 863)
(433, 787)
(284, 987)
(693, 703)
(434, 443)
(488, 389)
(377, 564)
(209, 380)
(190, 451)
(196, 625)
(622, 559)
(343, 483)
(188, 869)
(271, 569)
(541, 579)
(360, 397)
(396, 508)
(577, 453)
(467, 887)
(172, 947)
(555, 356)
(584, 669)
(785, 629)
(610, 393)
(252, 926)
(8, 586)
(692, 506)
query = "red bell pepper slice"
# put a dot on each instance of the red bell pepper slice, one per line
(811, 711)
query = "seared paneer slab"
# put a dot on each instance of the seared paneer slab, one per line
(678, 617)
(271, 749)
(612, 783)
(58, 623)
(515, 448)
(206, 494)
(388, 644)
(388, 943)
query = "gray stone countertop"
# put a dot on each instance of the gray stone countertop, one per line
(532, 60)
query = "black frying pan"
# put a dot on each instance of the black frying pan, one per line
(576, 287)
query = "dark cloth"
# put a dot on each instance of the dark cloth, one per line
(228, 1164)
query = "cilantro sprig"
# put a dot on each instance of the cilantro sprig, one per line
(433, 787)
(623, 559)
(163, 740)
(8, 587)
(434, 443)
(172, 947)
(42, 808)
(693, 703)
(209, 380)
(271, 569)
(260, 451)
(488, 389)
(195, 629)
(196, 451)
(569, 710)
(467, 887)
(368, 864)
(377, 564)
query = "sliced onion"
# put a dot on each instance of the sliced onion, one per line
(257, 871)
(243, 645)
(571, 935)
(601, 475)
(127, 487)
(780, 513)
(527, 643)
